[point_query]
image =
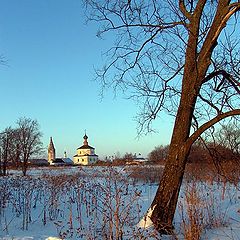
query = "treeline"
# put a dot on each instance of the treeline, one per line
(18, 144)
(223, 146)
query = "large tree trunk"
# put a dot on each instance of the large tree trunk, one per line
(165, 201)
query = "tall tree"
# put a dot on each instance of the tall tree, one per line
(9, 149)
(29, 140)
(4, 151)
(181, 57)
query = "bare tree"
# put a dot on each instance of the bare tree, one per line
(229, 137)
(181, 57)
(4, 150)
(29, 140)
(159, 154)
(9, 150)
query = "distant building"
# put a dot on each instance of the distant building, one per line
(38, 162)
(57, 162)
(52, 156)
(51, 151)
(67, 161)
(137, 160)
(85, 154)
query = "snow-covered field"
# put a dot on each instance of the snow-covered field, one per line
(107, 203)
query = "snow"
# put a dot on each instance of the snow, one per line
(54, 203)
(146, 221)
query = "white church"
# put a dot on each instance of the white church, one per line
(85, 154)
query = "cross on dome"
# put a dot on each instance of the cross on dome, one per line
(85, 137)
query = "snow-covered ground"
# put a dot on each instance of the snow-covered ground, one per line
(106, 203)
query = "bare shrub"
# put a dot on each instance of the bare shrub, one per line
(103, 205)
(145, 173)
(200, 208)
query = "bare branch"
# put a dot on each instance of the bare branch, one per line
(227, 76)
(209, 124)
(184, 10)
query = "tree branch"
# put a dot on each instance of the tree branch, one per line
(223, 14)
(234, 82)
(209, 124)
(184, 10)
(210, 104)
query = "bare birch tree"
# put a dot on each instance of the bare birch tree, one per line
(181, 57)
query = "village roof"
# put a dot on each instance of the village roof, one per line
(38, 161)
(67, 160)
(58, 160)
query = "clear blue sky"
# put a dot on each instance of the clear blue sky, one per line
(50, 56)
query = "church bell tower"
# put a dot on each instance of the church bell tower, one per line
(51, 151)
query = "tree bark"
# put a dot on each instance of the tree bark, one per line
(165, 201)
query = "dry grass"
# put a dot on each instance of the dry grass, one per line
(192, 214)
(110, 201)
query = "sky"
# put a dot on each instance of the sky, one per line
(48, 75)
